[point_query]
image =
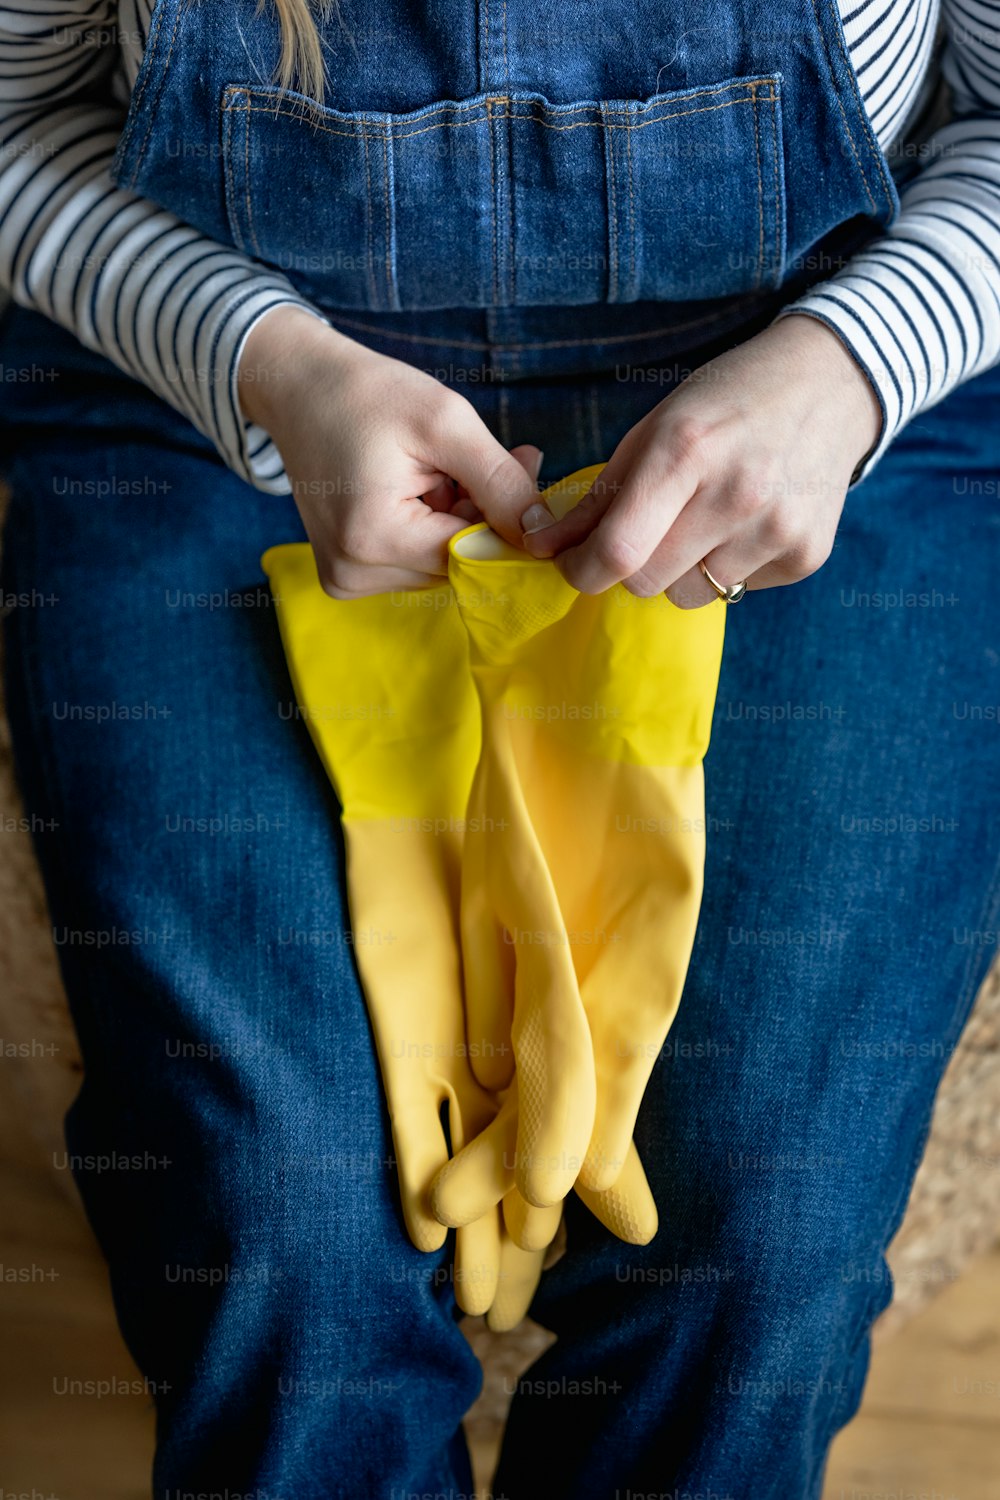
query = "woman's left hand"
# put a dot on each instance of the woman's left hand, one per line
(745, 465)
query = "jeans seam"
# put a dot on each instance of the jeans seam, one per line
(246, 187)
(776, 267)
(862, 108)
(760, 197)
(493, 195)
(840, 106)
(229, 156)
(392, 300)
(162, 80)
(130, 123)
(633, 269)
(603, 339)
(377, 130)
(369, 221)
(611, 167)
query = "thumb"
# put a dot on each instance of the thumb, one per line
(530, 459)
(498, 484)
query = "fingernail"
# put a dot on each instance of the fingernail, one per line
(538, 465)
(536, 518)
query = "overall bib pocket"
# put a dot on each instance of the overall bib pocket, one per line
(508, 200)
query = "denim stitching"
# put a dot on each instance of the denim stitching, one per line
(230, 180)
(612, 167)
(576, 343)
(840, 106)
(148, 58)
(377, 128)
(162, 81)
(487, 69)
(776, 268)
(862, 108)
(493, 202)
(502, 259)
(369, 224)
(568, 109)
(530, 119)
(246, 188)
(633, 270)
(760, 199)
(388, 224)
(512, 216)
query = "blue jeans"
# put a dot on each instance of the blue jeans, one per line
(230, 1139)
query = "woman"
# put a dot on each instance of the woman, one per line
(754, 261)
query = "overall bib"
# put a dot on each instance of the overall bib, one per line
(500, 198)
(558, 213)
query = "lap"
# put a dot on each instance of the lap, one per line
(852, 888)
(853, 830)
(193, 861)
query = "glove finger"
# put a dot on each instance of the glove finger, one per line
(476, 1179)
(618, 1102)
(520, 1273)
(421, 1149)
(478, 1264)
(487, 975)
(530, 1228)
(557, 1090)
(549, 1029)
(628, 1208)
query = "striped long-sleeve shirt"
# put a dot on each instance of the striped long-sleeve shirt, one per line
(919, 307)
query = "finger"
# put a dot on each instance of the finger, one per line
(441, 494)
(647, 505)
(777, 575)
(784, 567)
(417, 536)
(734, 562)
(692, 591)
(544, 536)
(498, 484)
(487, 971)
(476, 1179)
(420, 1148)
(477, 1264)
(402, 545)
(354, 581)
(520, 1273)
(527, 455)
(628, 1207)
(530, 459)
(703, 527)
(697, 528)
(614, 1121)
(465, 510)
(529, 1227)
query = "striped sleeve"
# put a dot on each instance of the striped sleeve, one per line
(919, 307)
(163, 302)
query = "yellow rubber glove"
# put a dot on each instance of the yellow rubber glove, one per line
(365, 673)
(596, 713)
(385, 688)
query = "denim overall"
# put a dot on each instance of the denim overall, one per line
(557, 213)
(497, 196)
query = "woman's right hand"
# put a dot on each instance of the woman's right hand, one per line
(383, 459)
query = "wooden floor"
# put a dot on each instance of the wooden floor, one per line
(929, 1428)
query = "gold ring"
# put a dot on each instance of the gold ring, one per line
(732, 593)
